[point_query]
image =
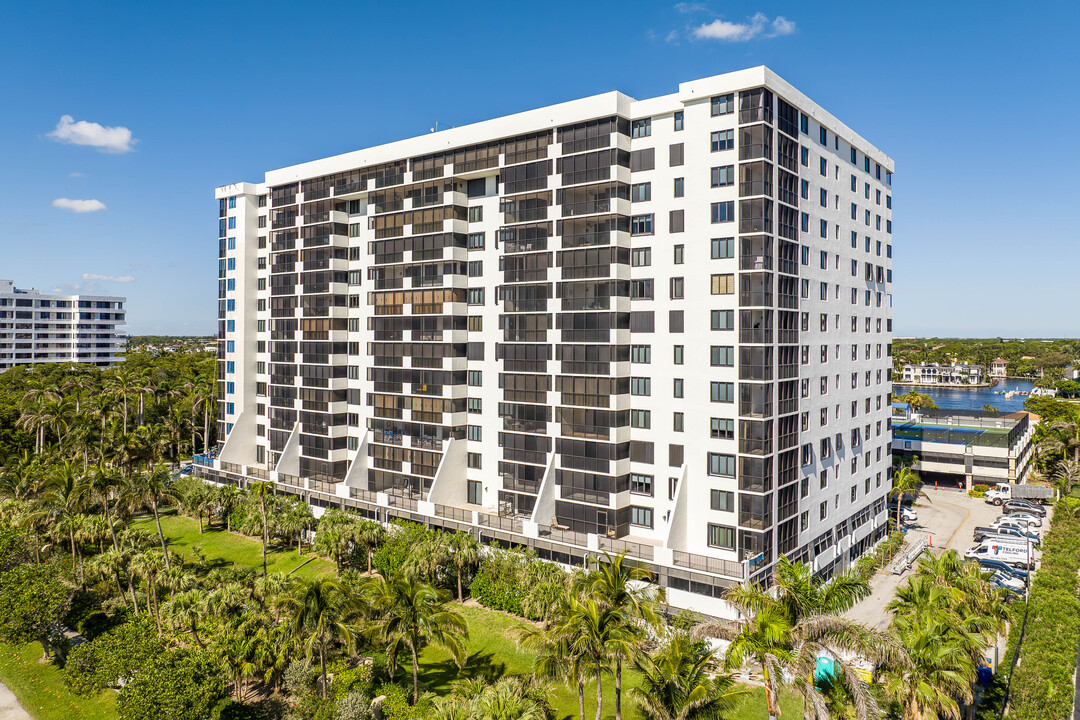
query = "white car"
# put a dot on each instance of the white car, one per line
(1002, 523)
(907, 514)
(1028, 518)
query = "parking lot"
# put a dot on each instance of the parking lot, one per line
(947, 518)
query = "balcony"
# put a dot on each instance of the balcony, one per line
(500, 522)
(454, 513)
(755, 262)
(703, 563)
(634, 549)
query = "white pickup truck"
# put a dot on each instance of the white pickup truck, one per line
(1006, 491)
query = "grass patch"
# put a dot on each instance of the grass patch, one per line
(40, 688)
(224, 548)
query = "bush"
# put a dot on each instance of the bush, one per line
(353, 679)
(395, 705)
(882, 555)
(354, 706)
(976, 493)
(299, 677)
(513, 581)
(1042, 685)
(229, 709)
(980, 487)
(178, 684)
(112, 659)
(401, 541)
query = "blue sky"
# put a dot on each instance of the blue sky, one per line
(976, 102)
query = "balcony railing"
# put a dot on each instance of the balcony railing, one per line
(401, 502)
(500, 522)
(702, 563)
(557, 534)
(453, 513)
(635, 549)
(361, 494)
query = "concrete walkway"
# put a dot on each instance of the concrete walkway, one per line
(947, 519)
(10, 709)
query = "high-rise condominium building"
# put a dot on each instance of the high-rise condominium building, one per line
(37, 327)
(659, 326)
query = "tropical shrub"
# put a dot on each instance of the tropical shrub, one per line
(518, 582)
(112, 659)
(179, 684)
(1042, 685)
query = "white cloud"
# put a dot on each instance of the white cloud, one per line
(782, 26)
(107, 139)
(108, 278)
(757, 26)
(79, 206)
(687, 7)
(76, 175)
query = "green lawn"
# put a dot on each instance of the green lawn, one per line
(41, 690)
(182, 533)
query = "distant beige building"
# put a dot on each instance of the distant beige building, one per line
(999, 367)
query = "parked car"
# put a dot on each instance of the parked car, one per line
(1006, 522)
(1025, 519)
(1026, 506)
(1008, 581)
(990, 564)
(907, 513)
(1011, 593)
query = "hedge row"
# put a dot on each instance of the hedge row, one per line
(882, 556)
(1042, 685)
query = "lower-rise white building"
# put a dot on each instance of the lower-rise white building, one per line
(657, 326)
(40, 327)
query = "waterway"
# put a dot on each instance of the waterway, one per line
(975, 398)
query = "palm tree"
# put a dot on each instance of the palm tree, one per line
(464, 553)
(906, 482)
(295, 520)
(150, 565)
(65, 501)
(1066, 475)
(554, 655)
(509, 698)
(412, 614)
(789, 626)
(600, 632)
(677, 683)
(370, 534)
(261, 490)
(939, 672)
(319, 609)
(123, 383)
(238, 654)
(333, 536)
(617, 583)
(152, 488)
(228, 498)
(186, 610)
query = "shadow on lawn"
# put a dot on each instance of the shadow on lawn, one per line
(438, 677)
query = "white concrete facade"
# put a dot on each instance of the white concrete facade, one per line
(660, 326)
(38, 327)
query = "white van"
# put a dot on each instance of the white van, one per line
(1014, 553)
